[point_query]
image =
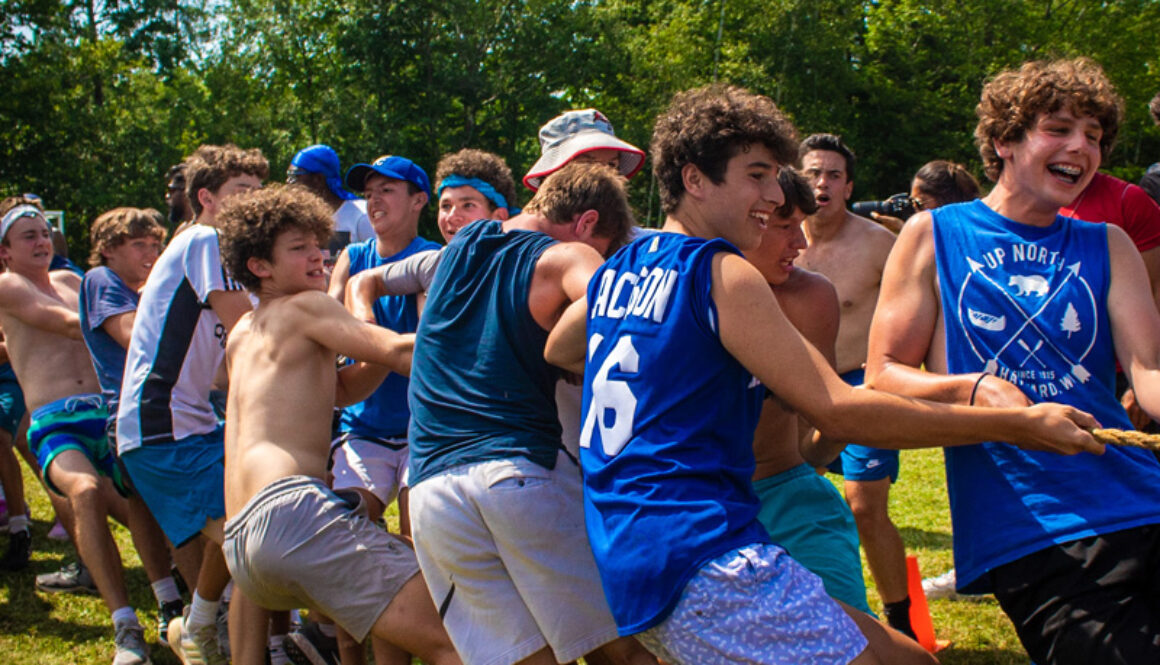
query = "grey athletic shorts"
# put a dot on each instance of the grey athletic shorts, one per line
(297, 543)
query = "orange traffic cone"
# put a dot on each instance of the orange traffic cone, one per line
(919, 612)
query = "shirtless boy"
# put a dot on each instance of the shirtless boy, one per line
(288, 534)
(851, 251)
(38, 311)
(800, 509)
(676, 363)
(1007, 303)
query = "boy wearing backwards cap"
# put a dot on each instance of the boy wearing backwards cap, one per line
(38, 311)
(317, 169)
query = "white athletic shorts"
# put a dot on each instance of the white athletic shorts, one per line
(504, 552)
(376, 465)
(755, 605)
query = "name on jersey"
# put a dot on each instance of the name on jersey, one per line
(644, 294)
(1024, 252)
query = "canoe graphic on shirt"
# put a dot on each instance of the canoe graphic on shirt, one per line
(986, 321)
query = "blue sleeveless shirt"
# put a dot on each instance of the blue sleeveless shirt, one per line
(667, 434)
(480, 387)
(1029, 304)
(384, 414)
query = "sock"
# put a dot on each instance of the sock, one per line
(327, 629)
(165, 590)
(17, 523)
(898, 616)
(228, 592)
(202, 613)
(125, 615)
(277, 654)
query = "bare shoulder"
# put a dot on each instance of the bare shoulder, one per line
(808, 284)
(569, 252)
(65, 279)
(877, 238)
(918, 234)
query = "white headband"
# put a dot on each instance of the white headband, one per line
(16, 213)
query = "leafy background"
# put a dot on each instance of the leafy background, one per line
(99, 97)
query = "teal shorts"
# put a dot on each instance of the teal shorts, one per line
(73, 423)
(808, 517)
(11, 400)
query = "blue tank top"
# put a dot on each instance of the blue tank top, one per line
(384, 413)
(667, 434)
(480, 387)
(1029, 304)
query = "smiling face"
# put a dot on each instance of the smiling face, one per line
(826, 172)
(460, 206)
(27, 248)
(1055, 160)
(133, 259)
(390, 204)
(295, 264)
(743, 204)
(781, 242)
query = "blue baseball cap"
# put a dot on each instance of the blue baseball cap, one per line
(322, 159)
(390, 166)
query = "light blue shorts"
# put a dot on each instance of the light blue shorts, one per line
(755, 605)
(809, 518)
(863, 462)
(182, 482)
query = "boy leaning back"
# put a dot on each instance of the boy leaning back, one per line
(682, 333)
(287, 531)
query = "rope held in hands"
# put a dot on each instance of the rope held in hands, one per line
(1131, 438)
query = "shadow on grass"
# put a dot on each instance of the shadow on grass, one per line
(982, 656)
(933, 540)
(26, 612)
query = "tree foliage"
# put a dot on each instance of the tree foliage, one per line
(101, 96)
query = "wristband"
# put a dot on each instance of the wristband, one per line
(975, 388)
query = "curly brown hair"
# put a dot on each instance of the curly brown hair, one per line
(210, 166)
(1013, 100)
(708, 126)
(578, 187)
(486, 166)
(115, 227)
(1154, 108)
(251, 224)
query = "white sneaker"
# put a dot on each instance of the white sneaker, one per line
(131, 647)
(941, 587)
(200, 648)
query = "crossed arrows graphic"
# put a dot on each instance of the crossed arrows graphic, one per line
(992, 365)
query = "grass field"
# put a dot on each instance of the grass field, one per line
(42, 629)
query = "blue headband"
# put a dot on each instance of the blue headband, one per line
(482, 187)
(20, 211)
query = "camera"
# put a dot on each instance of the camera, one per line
(899, 205)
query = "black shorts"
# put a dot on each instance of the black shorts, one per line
(1093, 600)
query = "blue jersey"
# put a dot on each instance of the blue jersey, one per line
(104, 295)
(1029, 304)
(384, 413)
(480, 387)
(667, 434)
